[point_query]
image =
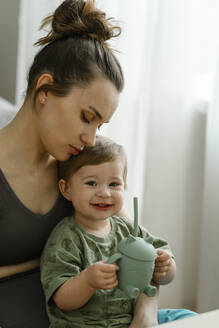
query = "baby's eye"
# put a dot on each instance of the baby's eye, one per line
(91, 183)
(114, 184)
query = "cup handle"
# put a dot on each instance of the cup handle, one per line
(114, 258)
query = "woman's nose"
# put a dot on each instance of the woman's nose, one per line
(88, 138)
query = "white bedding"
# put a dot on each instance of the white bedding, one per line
(7, 112)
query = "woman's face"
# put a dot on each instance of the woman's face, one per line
(66, 124)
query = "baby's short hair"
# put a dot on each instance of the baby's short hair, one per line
(104, 150)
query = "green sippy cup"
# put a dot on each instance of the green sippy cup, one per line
(136, 260)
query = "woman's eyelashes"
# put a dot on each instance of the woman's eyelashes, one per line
(85, 118)
(88, 118)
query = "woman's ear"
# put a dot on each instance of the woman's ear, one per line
(65, 189)
(45, 78)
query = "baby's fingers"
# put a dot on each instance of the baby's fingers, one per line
(110, 283)
(160, 264)
(158, 275)
(162, 255)
(161, 269)
(108, 276)
(109, 268)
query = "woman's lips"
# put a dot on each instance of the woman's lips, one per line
(74, 150)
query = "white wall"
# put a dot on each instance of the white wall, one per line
(208, 287)
(184, 62)
(173, 197)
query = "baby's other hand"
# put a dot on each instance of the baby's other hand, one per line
(101, 275)
(162, 264)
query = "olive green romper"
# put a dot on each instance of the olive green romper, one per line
(68, 251)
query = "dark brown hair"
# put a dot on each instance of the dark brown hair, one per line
(75, 50)
(104, 150)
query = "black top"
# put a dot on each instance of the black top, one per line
(22, 232)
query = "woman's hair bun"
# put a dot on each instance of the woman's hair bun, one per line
(78, 18)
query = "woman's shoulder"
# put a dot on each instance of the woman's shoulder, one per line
(66, 225)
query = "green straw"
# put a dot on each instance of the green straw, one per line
(135, 200)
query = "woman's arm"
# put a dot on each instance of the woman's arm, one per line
(10, 270)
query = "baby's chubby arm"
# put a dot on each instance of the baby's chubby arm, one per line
(165, 267)
(77, 291)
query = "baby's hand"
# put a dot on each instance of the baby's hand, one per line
(162, 264)
(101, 275)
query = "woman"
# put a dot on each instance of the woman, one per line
(73, 88)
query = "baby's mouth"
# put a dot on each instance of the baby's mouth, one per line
(102, 206)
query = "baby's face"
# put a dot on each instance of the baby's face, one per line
(97, 191)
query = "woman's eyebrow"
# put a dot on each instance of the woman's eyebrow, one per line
(96, 112)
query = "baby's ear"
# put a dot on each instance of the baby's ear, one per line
(65, 189)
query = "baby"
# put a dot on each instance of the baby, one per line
(80, 287)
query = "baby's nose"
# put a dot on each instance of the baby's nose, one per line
(104, 192)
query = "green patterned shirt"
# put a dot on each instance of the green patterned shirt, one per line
(69, 250)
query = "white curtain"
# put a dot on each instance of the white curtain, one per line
(208, 286)
(31, 14)
(168, 51)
